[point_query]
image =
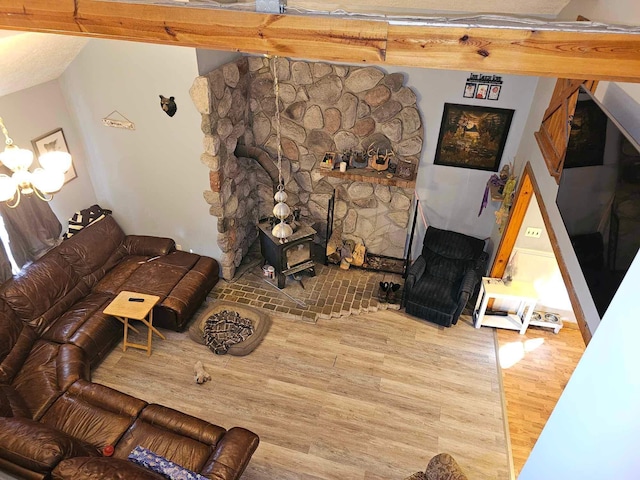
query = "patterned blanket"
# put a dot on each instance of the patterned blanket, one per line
(224, 329)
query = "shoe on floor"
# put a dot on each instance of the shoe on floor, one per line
(383, 291)
(393, 293)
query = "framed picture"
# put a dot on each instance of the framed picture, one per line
(494, 92)
(472, 136)
(587, 136)
(469, 90)
(54, 141)
(482, 91)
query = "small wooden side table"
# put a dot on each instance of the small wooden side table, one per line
(493, 288)
(124, 310)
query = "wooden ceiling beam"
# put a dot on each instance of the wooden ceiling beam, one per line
(580, 54)
(545, 53)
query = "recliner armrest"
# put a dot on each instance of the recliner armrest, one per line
(468, 283)
(147, 245)
(71, 365)
(232, 454)
(416, 270)
(481, 264)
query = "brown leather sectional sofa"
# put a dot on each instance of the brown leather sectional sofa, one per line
(55, 423)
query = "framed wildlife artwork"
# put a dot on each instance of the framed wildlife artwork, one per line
(54, 141)
(472, 136)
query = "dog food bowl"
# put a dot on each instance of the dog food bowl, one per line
(551, 317)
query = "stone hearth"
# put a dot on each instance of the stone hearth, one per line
(324, 108)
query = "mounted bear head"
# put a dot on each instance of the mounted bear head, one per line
(168, 105)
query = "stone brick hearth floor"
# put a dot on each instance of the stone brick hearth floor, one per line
(331, 293)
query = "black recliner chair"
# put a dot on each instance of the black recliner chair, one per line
(444, 277)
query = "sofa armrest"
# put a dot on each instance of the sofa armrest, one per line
(148, 246)
(71, 365)
(232, 455)
(182, 424)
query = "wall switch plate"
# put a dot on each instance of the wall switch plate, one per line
(533, 232)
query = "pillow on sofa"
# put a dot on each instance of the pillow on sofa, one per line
(153, 461)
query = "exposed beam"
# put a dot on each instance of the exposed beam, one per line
(576, 54)
(593, 55)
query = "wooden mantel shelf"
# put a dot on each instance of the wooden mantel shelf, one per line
(370, 176)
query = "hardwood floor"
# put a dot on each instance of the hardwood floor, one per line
(535, 369)
(365, 397)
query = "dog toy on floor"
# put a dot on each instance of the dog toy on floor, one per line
(200, 374)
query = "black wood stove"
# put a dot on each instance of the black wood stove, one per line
(292, 256)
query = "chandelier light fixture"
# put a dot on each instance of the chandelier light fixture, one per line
(281, 210)
(44, 181)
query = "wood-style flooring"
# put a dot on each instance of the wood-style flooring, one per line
(364, 397)
(535, 367)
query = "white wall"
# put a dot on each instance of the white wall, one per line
(31, 113)
(593, 431)
(152, 177)
(534, 261)
(450, 197)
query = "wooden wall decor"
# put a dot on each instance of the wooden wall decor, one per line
(553, 136)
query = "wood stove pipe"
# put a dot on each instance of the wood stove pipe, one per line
(263, 158)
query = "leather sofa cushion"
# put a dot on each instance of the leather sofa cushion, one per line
(11, 403)
(110, 284)
(183, 439)
(93, 413)
(10, 328)
(37, 447)
(85, 326)
(43, 291)
(160, 276)
(68, 323)
(48, 371)
(90, 251)
(102, 468)
(18, 354)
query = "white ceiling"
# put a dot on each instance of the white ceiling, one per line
(28, 59)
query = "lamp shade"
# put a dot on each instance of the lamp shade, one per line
(57, 161)
(47, 181)
(22, 178)
(7, 188)
(16, 158)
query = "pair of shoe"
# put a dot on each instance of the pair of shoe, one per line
(388, 292)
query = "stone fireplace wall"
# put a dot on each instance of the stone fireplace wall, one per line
(323, 108)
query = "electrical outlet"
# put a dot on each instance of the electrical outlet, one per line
(533, 232)
(178, 246)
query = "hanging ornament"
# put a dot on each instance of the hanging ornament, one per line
(281, 210)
